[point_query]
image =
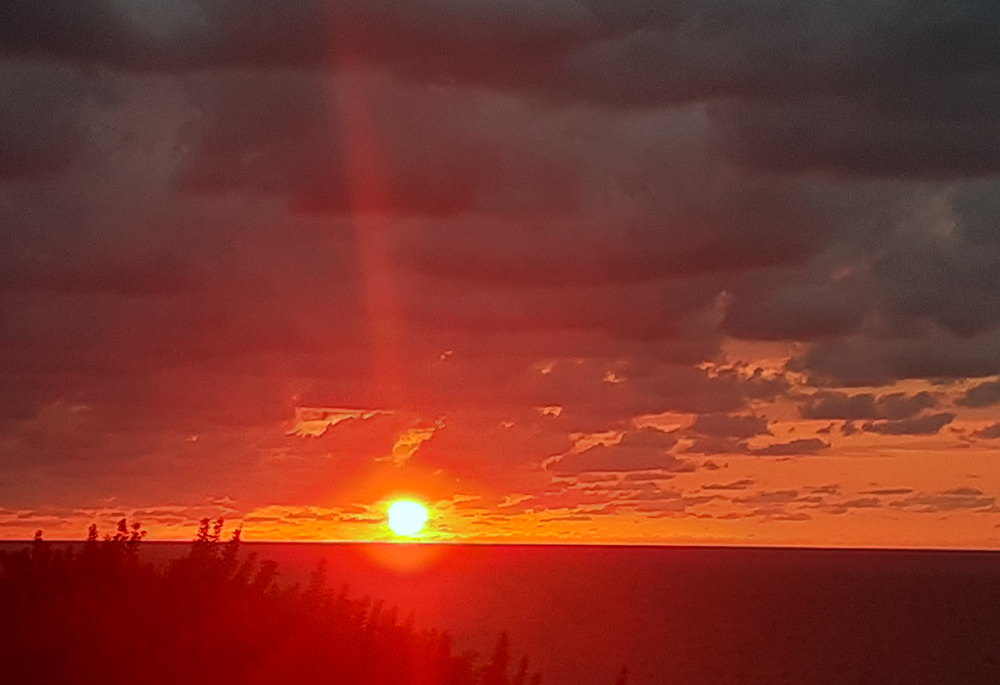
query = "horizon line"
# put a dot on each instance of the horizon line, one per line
(641, 545)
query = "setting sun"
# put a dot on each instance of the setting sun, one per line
(407, 518)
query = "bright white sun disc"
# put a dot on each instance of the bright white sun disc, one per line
(407, 518)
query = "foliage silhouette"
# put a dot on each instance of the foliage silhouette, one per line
(99, 615)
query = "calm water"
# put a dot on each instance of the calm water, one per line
(687, 616)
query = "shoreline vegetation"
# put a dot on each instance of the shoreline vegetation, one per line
(215, 615)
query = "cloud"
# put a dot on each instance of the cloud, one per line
(868, 136)
(777, 514)
(964, 293)
(921, 425)
(963, 492)
(315, 421)
(769, 497)
(644, 450)
(874, 361)
(982, 395)
(44, 122)
(710, 223)
(862, 503)
(730, 426)
(804, 310)
(303, 137)
(651, 438)
(797, 447)
(427, 39)
(635, 47)
(819, 108)
(839, 405)
(990, 432)
(671, 506)
(646, 476)
(741, 484)
(408, 442)
(87, 31)
(710, 445)
(948, 500)
(849, 428)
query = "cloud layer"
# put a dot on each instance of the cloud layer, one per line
(509, 247)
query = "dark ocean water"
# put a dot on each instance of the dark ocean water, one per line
(686, 616)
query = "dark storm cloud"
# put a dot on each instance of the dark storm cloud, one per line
(91, 31)
(799, 311)
(982, 395)
(915, 297)
(147, 274)
(925, 282)
(600, 51)
(44, 119)
(516, 193)
(301, 153)
(854, 138)
(962, 294)
(404, 151)
(928, 109)
(933, 80)
(928, 352)
(650, 204)
(428, 39)
(838, 405)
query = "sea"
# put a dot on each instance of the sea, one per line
(683, 615)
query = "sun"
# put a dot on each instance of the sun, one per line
(406, 517)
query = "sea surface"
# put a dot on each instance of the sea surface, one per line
(684, 615)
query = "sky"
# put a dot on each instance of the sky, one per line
(662, 271)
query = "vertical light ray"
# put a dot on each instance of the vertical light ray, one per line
(369, 198)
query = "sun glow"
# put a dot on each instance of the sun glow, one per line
(406, 517)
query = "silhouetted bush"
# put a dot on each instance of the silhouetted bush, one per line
(99, 615)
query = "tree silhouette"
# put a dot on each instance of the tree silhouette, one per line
(495, 672)
(100, 615)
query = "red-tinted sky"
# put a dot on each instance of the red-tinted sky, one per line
(606, 271)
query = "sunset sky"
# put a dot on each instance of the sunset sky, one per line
(655, 271)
